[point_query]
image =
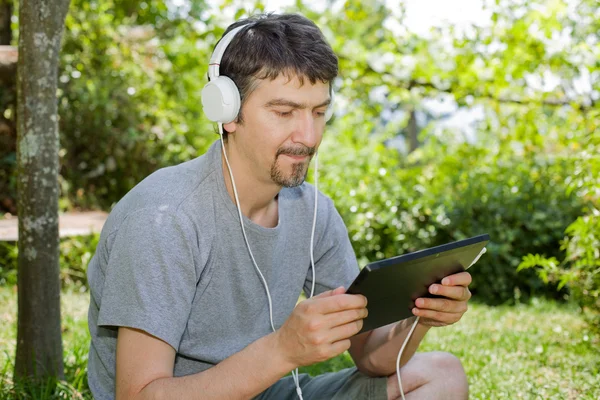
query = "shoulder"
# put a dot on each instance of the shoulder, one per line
(170, 187)
(172, 194)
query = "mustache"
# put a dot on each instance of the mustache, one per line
(296, 151)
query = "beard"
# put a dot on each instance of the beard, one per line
(299, 170)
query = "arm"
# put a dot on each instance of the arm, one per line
(317, 329)
(375, 352)
(145, 370)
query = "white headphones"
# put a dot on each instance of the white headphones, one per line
(220, 96)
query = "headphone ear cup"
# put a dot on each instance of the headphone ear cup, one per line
(329, 111)
(221, 100)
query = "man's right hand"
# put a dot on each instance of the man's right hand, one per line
(320, 328)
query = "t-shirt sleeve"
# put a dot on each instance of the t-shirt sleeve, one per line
(151, 277)
(335, 260)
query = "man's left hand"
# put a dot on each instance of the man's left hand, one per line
(447, 310)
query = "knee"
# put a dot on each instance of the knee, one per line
(446, 361)
(451, 370)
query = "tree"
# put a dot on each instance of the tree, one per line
(39, 343)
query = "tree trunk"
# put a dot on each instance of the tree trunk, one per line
(39, 343)
(413, 131)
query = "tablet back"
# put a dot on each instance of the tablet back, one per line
(392, 285)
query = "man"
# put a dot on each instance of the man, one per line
(177, 309)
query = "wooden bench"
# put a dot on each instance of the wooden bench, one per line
(69, 224)
(8, 64)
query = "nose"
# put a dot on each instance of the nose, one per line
(307, 131)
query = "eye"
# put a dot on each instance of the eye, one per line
(283, 114)
(320, 113)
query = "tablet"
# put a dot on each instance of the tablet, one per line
(391, 286)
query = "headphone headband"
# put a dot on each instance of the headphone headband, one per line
(217, 56)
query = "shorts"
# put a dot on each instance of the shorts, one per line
(345, 384)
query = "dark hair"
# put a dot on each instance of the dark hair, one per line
(275, 44)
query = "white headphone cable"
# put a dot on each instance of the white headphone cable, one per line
(314, 224)
(312, 259)
(482, 252)
(400, 355)
(237, 201)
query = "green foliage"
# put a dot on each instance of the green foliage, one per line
(131, 73)
(74, 307)
(580, 265)
(8, 143)
(75, 255)
(549, 267)
(582, 248)
(514, 198)
(443, 193)
(8, 263)
(508, 181)
(52, 389)
(129, 96)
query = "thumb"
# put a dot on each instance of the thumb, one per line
(333, 292)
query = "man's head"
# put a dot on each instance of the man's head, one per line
(283, 68)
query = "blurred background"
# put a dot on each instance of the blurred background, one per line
(453, 118)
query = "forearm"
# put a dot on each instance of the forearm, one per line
(377, 354)
(241, 376)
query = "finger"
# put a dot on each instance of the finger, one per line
(443, 305)
(452, 292)
(345, 317)
(330, 293)
(459, 279)
(345, 331)
(339, 290)
(339, 347)
(341, 302)
(443, 317)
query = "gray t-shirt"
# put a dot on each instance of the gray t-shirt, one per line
(172, 261)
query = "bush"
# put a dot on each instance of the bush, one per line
(129, 101)
(8, 263)
(8, 145)
(579, 269)
(75, 255)
(515, 198)
(445, 192)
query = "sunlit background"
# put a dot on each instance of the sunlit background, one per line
(452, 119)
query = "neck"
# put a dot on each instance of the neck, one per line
(258, 198)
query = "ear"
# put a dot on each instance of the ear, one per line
(230, 126)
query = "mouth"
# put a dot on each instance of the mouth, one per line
(296, 154)
(296, 158)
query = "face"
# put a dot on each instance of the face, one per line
(282, 128)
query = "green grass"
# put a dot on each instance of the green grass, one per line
(75, 349)
(539, 351)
